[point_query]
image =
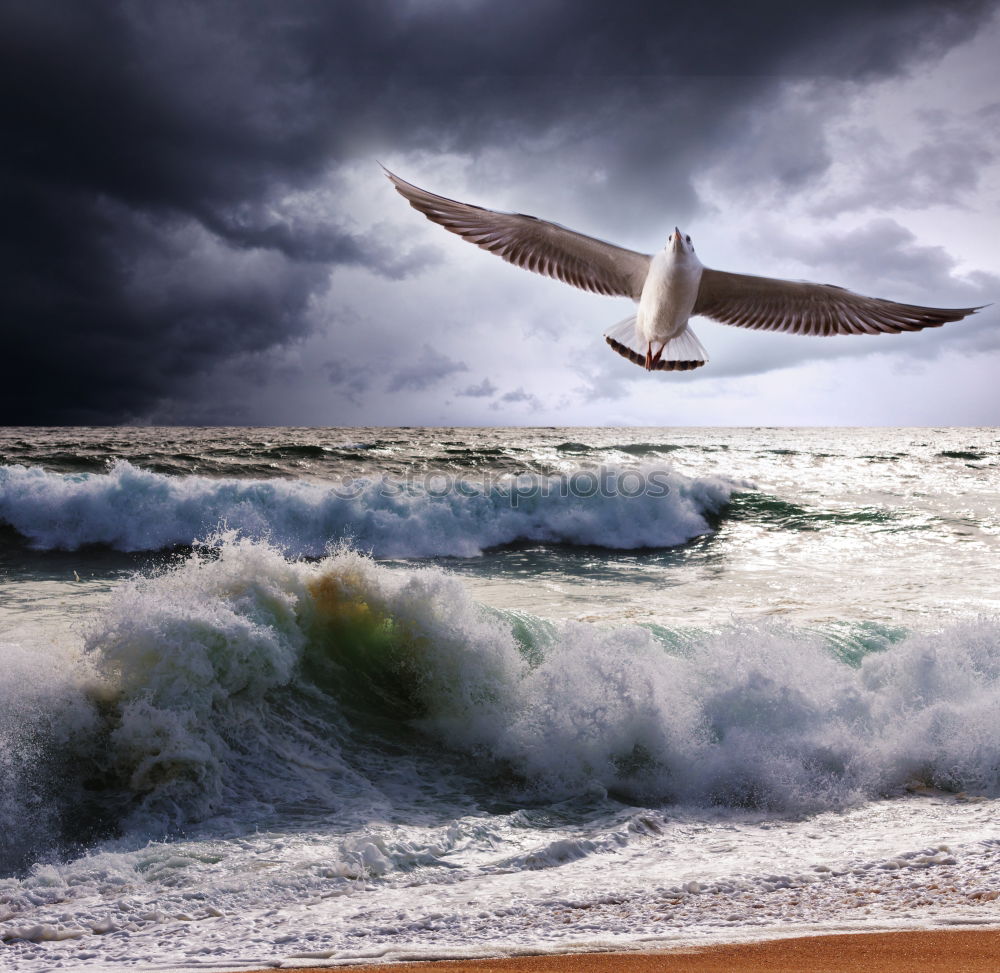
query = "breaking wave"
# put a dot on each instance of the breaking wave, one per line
(131, 509)
(239, 681)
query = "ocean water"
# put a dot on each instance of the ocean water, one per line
(314, 696)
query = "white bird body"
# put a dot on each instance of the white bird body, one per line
(669, 293)
(670, 286)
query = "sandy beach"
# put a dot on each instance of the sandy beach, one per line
(931, 951)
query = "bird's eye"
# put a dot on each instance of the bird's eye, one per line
(688, 239)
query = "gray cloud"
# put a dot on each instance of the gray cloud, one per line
(428, 370)
(484, 389)
(883, 259)
(517, 396)
(349, 379)
(945, 168)
(881, 255)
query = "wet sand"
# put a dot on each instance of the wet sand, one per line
(932, 951)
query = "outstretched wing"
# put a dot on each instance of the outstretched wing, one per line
(525, 241)
(814, 309)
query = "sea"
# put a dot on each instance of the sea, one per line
(294, 696)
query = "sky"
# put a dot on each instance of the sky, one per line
(196, 229)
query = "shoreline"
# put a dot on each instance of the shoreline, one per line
(961, 950)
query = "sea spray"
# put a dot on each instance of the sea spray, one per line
(238, 681)
(131, 509)
(46, 708)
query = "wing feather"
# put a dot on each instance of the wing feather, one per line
(537, 245)
(799, 307)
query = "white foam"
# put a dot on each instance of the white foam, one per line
(132, 509)
(238, 680)
(165, 905)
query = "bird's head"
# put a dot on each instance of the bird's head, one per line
(679, 243)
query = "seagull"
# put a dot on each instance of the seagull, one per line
(670, 286)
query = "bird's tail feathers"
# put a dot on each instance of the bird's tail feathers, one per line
(681, 353)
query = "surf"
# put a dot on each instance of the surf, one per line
(238, 684)
(132, 509)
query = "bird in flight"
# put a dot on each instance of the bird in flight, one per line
(670, 286)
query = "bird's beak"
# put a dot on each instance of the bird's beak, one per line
(678, 245)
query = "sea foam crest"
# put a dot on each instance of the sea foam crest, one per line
(132, 509)
(239, 680)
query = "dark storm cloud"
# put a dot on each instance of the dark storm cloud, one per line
(170, 184)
